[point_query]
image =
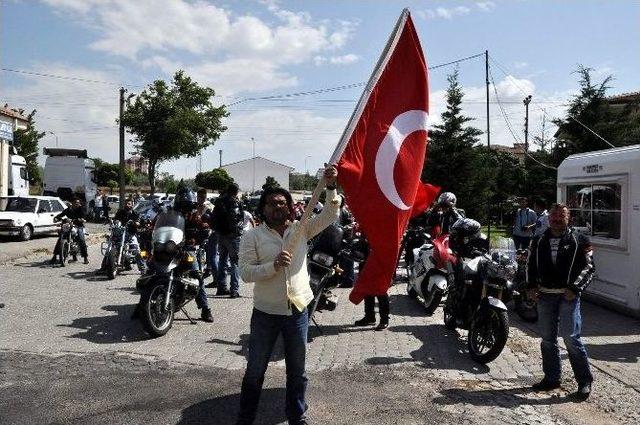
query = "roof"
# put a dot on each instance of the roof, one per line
(258, 157)
(13, 113)
(624, 97)
(602, 152)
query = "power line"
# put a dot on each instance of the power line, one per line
(545, 112)
(61, 77)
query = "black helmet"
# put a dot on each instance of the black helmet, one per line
(465, 228)
(185, 200)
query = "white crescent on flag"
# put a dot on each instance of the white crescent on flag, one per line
(401, 127)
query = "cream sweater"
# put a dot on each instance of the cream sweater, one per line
(259, 248)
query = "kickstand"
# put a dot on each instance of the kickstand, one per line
(313, 319)
(193, 322)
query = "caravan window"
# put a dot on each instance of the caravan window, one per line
(596, 208)
(23, 173)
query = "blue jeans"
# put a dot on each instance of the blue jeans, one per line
(228, 247)
(348, 274)
(265, 329)
(212, 254)
(557, 314)
(201, 298)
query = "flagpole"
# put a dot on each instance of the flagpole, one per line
(373, 80)
(486, 76)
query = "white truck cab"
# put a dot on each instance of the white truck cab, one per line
(14, 179)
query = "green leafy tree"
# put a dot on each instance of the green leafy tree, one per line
(302, 182)
(451, 161)
(167, 182)
(170, 122)
(216, 179)
(26, 143)
(270, 182)
(105, 171)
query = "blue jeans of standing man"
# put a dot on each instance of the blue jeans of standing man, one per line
(265, 329)
(212, 254)
(557, 315)
(228, 247)
(201, 298)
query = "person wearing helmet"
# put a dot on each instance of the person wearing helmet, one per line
(185, 203)
(444, 213)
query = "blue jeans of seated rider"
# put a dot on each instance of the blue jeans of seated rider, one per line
(228, 248)
(212, 254)
(559, 317)
(265, 329)
(348, 274)
(201, 298)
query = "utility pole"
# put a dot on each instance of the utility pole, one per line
(220, 153)
(526, 102)
(486, 78)
(122, 90)
(543, 143)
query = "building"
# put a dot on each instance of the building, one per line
(517, 150)
(137, 164)
(11, 120)
(250, 174)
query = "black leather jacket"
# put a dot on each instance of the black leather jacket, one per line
(75, 214)
(574, 267)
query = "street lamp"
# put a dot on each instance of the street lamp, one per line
(526, 102)
(51, 132)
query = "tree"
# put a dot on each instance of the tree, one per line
(167, 182)
(26, 143)
(105, 171)
(451, 161)
(302, 181)
(170, 122)
(216, 179)
(270, 182)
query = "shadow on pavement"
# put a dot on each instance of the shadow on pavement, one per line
(224, 410)
(623, 352)
(242, 347)
(507, 398)
(333, 330)
(403, 305)
(118, 328)
(91, 276)
(441, 349)
(43, 264)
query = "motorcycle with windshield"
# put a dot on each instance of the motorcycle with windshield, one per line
(171, 281)
(483, 283)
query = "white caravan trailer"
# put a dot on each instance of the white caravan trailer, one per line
(602, 190)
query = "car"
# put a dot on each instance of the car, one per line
(25, 216)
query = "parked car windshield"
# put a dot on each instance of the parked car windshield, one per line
(18, 204)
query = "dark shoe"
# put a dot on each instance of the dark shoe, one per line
(234, 294)
(365, 321)
(545, 385)
(86, 260)
(206, 274)
(53, 261)
(382, 325)
(223, 291)
(584, 391)
(206, 315)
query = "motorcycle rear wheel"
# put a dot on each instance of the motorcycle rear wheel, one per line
(155, 319)
(488, 334)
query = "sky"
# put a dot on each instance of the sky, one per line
(246, 50)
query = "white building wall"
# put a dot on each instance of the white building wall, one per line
(243, 173)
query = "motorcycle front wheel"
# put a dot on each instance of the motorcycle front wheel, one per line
(65, 247)
(488, 334)
(156, 320)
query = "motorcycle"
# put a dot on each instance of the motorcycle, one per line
(326, 250)
(118, 252)
(171, 282)
(526, 307)
(429, 275)
(483, 282)
(68, 241)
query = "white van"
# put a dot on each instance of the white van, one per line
(68, 173)
(602, 190)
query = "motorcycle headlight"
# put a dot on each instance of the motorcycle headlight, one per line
(143, 254)
(165, 251)
(322, 258)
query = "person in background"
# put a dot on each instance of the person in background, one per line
(559, 269)
(524, 223)
(228, 219)
(98, 207)
(542, 223)
(204, 211)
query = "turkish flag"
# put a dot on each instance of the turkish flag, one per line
(380, 167)
(425, 195)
